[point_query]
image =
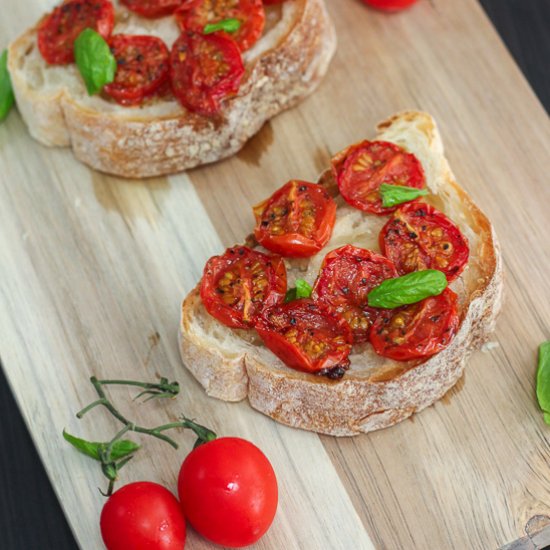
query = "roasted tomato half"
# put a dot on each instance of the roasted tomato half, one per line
(347, 275)
(238, 285)
(59, 29)
(420, 237)
(297, 220)
(142, 67)
(205, 70)
(195, 15)
(307, 336)
(361, 169)
(152, 8)
(416, 331)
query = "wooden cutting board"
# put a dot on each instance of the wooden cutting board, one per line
(93, 270)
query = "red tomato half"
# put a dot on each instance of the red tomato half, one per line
(361, 169)
(307, 336)
(152, 8)
(205, 69)
(297, 220)
(237, 286)
(142, 516)
(390, 5)
(58, 30)
(420, 237)
(142, 67)
(195, 15)
(347, 275)
(228, 491)
(416, 331)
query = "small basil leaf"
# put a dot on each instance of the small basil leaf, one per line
(398, 194)
(6, 91)
(122, 448)
(408, 289)
(543, 380)
(90, 448)
(301, 290)
(94, 60)
(227, 25)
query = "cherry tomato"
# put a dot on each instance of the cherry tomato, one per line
(228, 491)
(142, 516)
(307, 336)
(205, 69)
(362, 168)
(195, 15)
(297, 220)
(142, 67)
(235, 287)
(347, 275)
(152, 8)
(390, 5)
(420, 237)
(416, 331)
(58, 30)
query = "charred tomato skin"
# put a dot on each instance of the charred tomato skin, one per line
(307, 336)
(238, 285)
(297, 220)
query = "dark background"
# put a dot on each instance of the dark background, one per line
(30, 516)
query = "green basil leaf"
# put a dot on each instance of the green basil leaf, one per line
(89, 448)
(398, 194)
(227, 25)
(6, 91)
(543, 380)
(301, 290)
(408, 289)
(94, 60)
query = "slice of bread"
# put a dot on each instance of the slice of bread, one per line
(161, 136)
(375, 392)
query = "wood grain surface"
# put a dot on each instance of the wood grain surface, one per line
(94, 267)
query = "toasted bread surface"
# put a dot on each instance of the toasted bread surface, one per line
(375, 392)
(161, 136)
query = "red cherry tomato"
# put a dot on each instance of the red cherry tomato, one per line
(420, 237)
(205, 69)
(228, 491)
(236, 286)
(362, 168)
(307, 336)
(390, 5)
(142, 516)
(347, 275)
(142, 67)
(194, 15)
(59, 29)
(416, 331)
(297, 220)
(152, 8)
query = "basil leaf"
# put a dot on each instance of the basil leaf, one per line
(93, 449)
(408, 289)
(543, 380)
(227, 25)
(301, 290)
(94, 60)
(6, 91)
(398, 194)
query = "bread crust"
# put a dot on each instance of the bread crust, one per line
(137, 146)
(364, 400)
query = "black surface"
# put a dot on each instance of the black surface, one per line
(30, 516)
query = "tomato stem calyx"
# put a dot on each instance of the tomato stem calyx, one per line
(116, 453)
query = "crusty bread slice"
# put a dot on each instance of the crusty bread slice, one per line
(375, 392)
(161, 137)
